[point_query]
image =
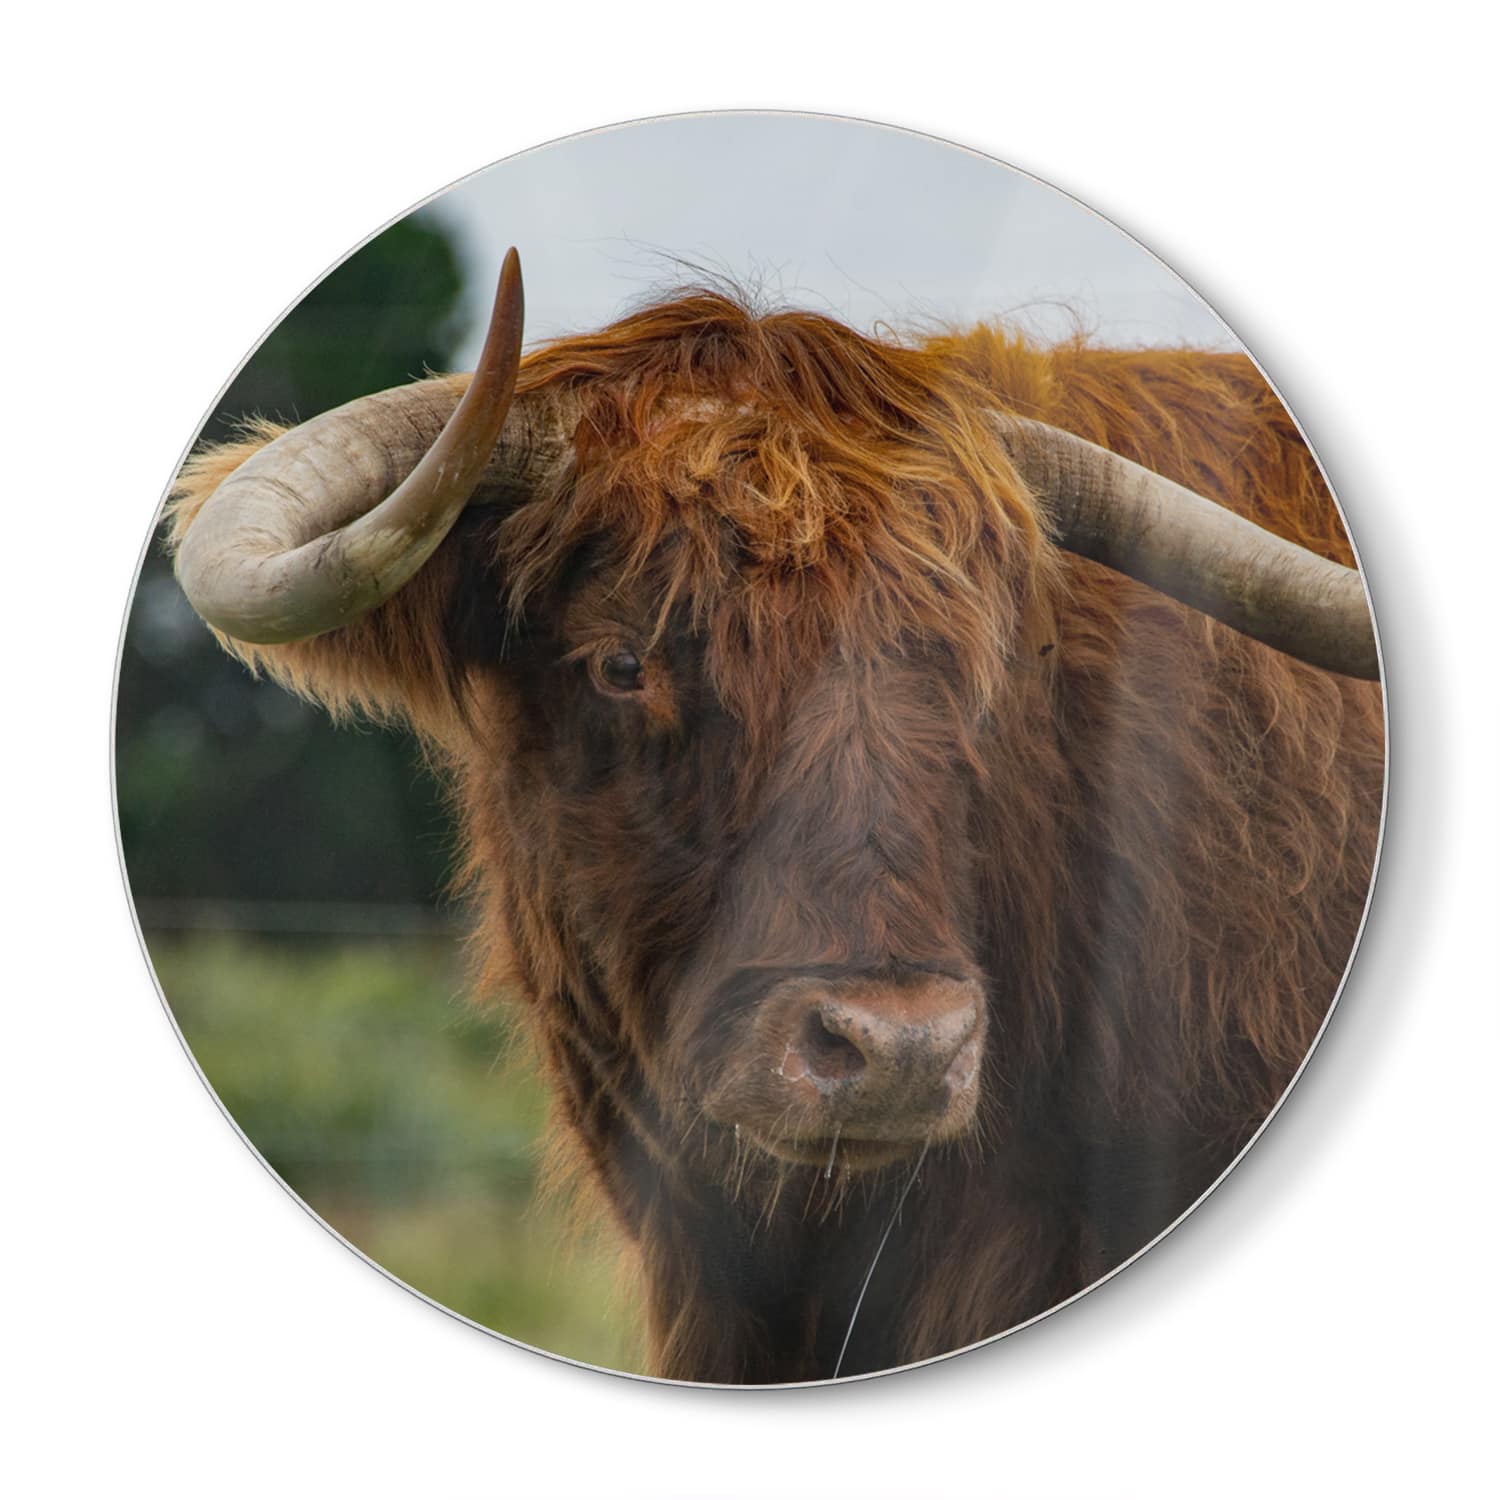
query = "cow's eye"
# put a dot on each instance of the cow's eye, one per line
(621, 672)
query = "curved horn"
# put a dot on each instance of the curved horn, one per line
(336, 515)
(1139, 523)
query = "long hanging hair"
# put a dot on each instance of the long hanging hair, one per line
(1178, 824)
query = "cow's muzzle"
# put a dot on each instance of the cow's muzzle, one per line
(860, 1069)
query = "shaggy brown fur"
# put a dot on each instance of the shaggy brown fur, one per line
(887, 723)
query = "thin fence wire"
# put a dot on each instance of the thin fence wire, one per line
(372, 919)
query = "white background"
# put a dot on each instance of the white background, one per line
(175, 1325)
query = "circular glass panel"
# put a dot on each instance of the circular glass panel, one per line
(840, 775)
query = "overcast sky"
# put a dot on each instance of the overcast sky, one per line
(868, 223)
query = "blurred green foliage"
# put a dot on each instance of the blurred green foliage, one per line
(354, 1066)
(387, 315)
(231, 789)
(405, 1118)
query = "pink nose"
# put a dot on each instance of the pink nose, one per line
(877, 1058)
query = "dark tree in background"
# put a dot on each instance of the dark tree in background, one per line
(231, 790)
(330, 1032)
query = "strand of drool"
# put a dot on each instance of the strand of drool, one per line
(859, 1301)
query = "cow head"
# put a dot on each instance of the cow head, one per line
(717, 618)
(754, 788)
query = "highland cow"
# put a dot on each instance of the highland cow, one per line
(923, 795)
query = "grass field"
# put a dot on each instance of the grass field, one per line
(403, 1118)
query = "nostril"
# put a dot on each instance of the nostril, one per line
(826, 1053)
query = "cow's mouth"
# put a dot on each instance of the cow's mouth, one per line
(838, 1155)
